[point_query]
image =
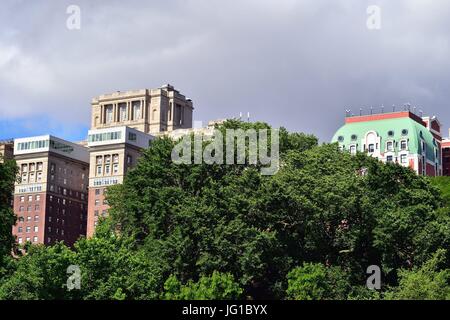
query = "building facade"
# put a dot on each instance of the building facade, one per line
(446, 155)
(6, 150)
(112, 152)
(50, 198)
(147, 110)
(398, 137)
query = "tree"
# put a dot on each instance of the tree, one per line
(428, 282)
(40, 274)
(8, 174)
(218, 286)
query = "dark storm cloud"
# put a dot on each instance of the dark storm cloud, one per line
(298, 64)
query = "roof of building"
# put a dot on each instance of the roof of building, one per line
(389, 129)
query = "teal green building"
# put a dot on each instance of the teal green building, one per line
(397, 137)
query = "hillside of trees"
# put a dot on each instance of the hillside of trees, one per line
(179, 231)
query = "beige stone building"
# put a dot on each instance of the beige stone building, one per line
(147, 110)
(6, 149)
(112, 151)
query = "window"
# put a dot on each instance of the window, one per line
(97, 192)
(404, 132)
(403, 158)
(35, 239)
(21, 219)
(28, 229)
(96, 213)
(129, 159)
(354, 137)
(28, 218)
(37, 207)
(341, 139)
(371, 148)
(20, 230)
(389, 159)
(20, 240)
(21, 208)
(97, 202)
(38, 197)
(36, 218)
(104, 213)
(390, 146)
(107, 169)
(24, 168)
(353, 149)
(30, 198)
(28, 239)
(136, 110)
(123, 112)
(99, 170)
(36, 228)
(39, 166)
(109, 113)
(132, 136)
(22, 199)
(390, 133)
(403, 145)
(28, 208)
(107, 159)
(99, 160)
(115, 168)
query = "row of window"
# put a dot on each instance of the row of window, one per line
(37, 144)
(37, 207)
(30, 198)
(391, 133)
(136, 113)
(25, 167)
(106, 136)
(22, 219)
(97, 202)
(28, 229)
(374, 146)
(27, 239)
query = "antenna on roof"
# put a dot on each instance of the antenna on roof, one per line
(393, 108)
(409, 106)
(240, 115)
(248, 116)
(347, 112)
(360, 111)
(414, 109)
(382, 108)
(371, 110)
(421, 113)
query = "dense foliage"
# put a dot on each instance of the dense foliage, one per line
(179, 231)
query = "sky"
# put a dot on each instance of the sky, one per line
(293, 63)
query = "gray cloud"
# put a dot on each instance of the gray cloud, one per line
(298, 64)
